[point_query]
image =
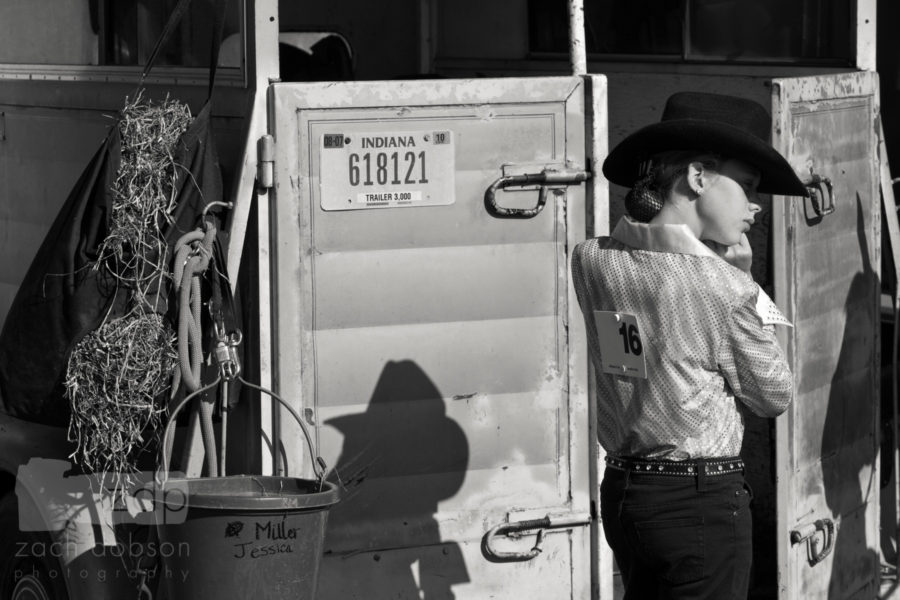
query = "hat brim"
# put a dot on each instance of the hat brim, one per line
(776, 175)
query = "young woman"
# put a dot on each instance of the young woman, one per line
(682, 341)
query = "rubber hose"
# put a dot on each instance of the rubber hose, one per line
(182, 268)
(189, 350)
(209, 437)
(190, 342)
(168, 434)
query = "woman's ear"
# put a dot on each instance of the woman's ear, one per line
(696, 177)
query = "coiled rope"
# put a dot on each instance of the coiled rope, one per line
(193, 252)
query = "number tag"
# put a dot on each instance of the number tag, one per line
(620, 344)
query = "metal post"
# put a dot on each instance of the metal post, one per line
(866, 33)
(261, 23)
(577, 48)
(893, 227)
(428, 14)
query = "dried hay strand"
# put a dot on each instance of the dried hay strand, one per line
(144, 192)
(114, 379)
(117, 374)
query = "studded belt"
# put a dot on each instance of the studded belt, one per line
(684, 468)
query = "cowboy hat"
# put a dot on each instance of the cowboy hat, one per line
(732, 127)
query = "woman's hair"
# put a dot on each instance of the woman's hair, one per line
(650, 191)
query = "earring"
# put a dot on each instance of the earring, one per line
(695, 188)
(698, 187)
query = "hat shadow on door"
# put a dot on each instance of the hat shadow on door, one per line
(399, 459)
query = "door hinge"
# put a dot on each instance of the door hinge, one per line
(265, 162)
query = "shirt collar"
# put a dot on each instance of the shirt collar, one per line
(676, 239)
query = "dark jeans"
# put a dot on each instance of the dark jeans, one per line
(678, 537)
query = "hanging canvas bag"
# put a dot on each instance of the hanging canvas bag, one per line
(69, 289)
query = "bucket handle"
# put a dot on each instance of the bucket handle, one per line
(162, 473)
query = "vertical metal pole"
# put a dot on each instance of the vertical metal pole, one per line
(893, 228)
(597, 223)
(261, 67)
(427, 35)
(266, 70)
(866, 28)
(577, 47)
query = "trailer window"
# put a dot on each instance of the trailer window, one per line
(753, 31)
(48, 32)
(107, 32)
(131, 28)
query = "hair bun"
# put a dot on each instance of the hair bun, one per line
(643, 202)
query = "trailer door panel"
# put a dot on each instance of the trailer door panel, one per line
(827, 269)
(431, 334)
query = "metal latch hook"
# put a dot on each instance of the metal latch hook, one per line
(515, 529)
(507, 528)
(545, 179)
(821, 195)
(816, 552)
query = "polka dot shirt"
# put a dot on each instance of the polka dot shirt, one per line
(707, 337)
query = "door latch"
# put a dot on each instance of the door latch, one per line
(518, 528)
(546, 179)
(821, 195)
(817, 547)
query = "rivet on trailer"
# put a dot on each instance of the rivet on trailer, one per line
(401, 264)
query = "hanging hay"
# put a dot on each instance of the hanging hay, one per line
(114, 378)
(117, 374)
(143, 192)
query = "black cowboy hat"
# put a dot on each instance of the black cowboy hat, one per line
(733, 127)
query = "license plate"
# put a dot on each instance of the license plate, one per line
(359, 170)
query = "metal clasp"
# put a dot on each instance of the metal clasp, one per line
(546, 179)
(226, 354)
(816, 550)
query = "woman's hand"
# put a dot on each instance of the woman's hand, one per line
(740, 255)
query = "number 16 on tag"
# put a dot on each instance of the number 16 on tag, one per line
(620, 344)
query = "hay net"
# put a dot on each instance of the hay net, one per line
(117, 375)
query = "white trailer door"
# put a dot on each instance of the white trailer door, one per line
(827, 268)
(434, 342)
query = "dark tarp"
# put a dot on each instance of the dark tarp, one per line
(63, 297)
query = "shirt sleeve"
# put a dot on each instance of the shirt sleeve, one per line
(582, 294)
(582, 281)
(753, 363)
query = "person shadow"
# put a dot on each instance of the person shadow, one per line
(399, 459)
(848, 445)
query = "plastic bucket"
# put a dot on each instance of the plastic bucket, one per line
(243, 536)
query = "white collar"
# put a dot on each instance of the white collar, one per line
(679, 239)
(674, 238)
